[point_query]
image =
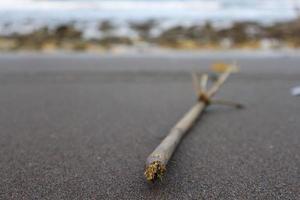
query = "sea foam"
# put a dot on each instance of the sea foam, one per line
(26, 15)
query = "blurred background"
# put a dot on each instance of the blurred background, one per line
(141, 25)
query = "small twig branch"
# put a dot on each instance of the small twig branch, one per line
(196, 81)
(220, 81)
(203, 82)
(228, 103)
(158, 159)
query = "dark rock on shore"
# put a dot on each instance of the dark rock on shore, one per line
(106, 26)
(144, 29)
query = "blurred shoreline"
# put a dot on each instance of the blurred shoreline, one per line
(144, 37)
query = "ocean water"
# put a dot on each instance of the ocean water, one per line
(26, 15)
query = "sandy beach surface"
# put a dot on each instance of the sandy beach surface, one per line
(80, 126)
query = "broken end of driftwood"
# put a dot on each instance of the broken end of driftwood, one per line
(155, 171)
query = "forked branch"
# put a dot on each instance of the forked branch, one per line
(157, 161)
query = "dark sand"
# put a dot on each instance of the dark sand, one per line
(81, 127)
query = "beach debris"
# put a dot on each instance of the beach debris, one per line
(157, 161)
(295, 91)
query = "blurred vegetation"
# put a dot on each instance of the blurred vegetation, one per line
(249, 35)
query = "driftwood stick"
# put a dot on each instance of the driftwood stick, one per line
(196, 84)
(203, 82)
(157, 161)
(220, 81)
